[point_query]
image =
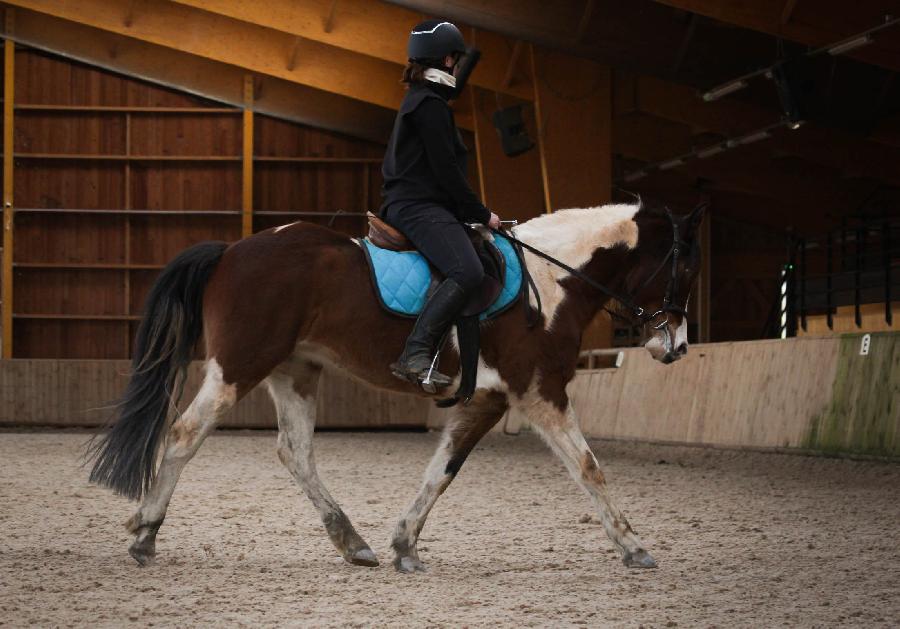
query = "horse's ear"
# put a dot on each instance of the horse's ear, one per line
(694, 219)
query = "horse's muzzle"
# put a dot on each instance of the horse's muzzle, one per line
(672, 355)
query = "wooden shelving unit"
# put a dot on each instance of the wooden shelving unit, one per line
(50, 210)
(93, 266)
(77, 317)
(128, 158)
(125, 109)
(129, 155)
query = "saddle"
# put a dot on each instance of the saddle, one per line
(386, 236)
(403, 279)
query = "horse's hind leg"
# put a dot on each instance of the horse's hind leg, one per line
(185, 435)
(465, 428)
(560, 430)
(295, 403)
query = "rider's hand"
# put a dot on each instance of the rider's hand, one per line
(494, 223)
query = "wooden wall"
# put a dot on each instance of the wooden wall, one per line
(806, 393)
(813, 393)
(113, 177)
(36, 392)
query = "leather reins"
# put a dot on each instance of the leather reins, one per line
(669, 298)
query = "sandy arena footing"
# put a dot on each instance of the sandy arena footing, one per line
(742, 539)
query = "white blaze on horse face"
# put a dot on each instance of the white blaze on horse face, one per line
(664, 343)
(573, 236)
(681, 334)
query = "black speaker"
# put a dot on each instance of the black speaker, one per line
(795, 81)
(513, 136)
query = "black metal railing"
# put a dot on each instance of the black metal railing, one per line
(852, 266)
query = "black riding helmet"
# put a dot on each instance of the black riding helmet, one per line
(433, 40)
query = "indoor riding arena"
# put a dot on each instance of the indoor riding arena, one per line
(606, 291)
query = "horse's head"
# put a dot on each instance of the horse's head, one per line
(668, 255)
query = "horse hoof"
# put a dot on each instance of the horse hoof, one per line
(639, 559)
(141, 554)
(409, 565)
(363, 557)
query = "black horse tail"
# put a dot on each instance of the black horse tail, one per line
(125, 457)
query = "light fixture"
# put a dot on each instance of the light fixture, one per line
(672, 163)
(861, 39)
(638, 174)
(749, 138)
(724, 89)
(715, 149)
(850, 44)
(796, 124)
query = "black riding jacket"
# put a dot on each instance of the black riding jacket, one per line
(426, 157)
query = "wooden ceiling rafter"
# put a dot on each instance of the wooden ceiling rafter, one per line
(819, 27)
(200, 76)
(374, 29)
(257, 49)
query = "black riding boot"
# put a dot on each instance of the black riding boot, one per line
(436, 317)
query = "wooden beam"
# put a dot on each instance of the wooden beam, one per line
(292, 55)
(126, 206)
(9, 69)
(787, 11)
(375, 29)
(201, 76)
(328, 24)
(510, 186)
(513, 62)
(704, 279)
(255, 48)
(585, 20)
(822, 23)
(478, 142)
(247, 162)
(685, 43)
(539, 117)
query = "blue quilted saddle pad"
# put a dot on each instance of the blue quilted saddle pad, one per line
(402, 278)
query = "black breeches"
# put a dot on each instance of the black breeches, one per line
(442, 239)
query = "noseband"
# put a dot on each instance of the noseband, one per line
(671, 294)
(669, 298)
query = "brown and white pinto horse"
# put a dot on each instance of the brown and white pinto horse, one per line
(277, 307)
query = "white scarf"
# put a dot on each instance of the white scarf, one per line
(439, 76)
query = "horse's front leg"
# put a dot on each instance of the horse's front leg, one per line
(294, 394)
(465, 428)
(560, 430)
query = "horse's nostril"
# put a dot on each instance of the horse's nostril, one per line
(682, 349)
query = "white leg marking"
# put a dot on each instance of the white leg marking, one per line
(464, 429)
(681, 334)
(560, 430)
(185, 436)
(434, 482)
(296, 423)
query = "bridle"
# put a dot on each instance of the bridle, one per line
(670, 297)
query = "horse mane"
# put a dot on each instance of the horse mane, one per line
(573, 235)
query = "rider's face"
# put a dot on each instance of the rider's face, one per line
(450, 62)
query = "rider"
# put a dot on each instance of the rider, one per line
(425, 192)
